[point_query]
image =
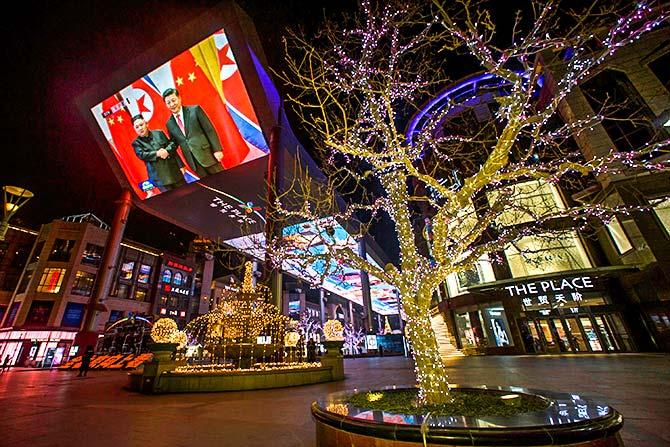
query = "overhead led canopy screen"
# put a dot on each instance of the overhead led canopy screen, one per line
(187, 119)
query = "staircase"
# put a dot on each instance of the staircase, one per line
(444, 340)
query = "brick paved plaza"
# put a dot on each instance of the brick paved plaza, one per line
(54, 408)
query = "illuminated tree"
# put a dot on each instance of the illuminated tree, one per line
(354, 87)
(309, 326)
(353, 339)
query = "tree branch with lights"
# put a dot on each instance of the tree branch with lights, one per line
(354, 87)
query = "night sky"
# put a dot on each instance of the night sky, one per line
(55, 51)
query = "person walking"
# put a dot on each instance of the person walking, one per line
(85, 361)
(5, 364)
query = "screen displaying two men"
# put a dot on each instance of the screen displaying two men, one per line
(187, 119)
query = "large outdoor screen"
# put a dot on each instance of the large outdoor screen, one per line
(185, 120)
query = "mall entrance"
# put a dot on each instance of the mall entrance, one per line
(575, 333)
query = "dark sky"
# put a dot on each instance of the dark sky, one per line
(52, 52)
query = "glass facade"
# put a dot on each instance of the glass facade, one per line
(483, 326)
(83, 283)
(546, 253)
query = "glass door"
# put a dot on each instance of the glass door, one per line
(620, 332)
(561, 335)
(591, 335)
(576, 336)
(606, 333)
(547, 335)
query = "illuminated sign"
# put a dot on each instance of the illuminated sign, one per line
(179, 266)
(551, 286)
(371, 342)
(552, 293)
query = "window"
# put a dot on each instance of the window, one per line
(51, 280)
(23, 286)
(662, 211)
(37, 252)
(178, 279)
(127, 270)
(61, 250)
(39, 313)
(479, 273)
(618, 235)
(83, 283)
(144, 274)
(524, 201)
(74, 313)
(546, 253)
(625, 123)
(167, 276)
(661, 69)
(141, 294)
(123, 291)
(92, 254)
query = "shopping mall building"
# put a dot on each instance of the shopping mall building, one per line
(594, 290)
(55, 270)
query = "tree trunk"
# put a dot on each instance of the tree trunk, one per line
(431, 372)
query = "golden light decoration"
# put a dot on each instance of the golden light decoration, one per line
(164, 330)
(374, 397)
(291, 339)
(333, 330)
(340, 409)
(180, 338)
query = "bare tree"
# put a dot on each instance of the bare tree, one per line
(354, 87)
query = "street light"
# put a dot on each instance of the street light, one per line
(14, 198)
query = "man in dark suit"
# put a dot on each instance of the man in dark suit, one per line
(159, 154)
(192, 130)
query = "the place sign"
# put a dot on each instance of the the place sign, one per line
(552, 293)
(551, 286)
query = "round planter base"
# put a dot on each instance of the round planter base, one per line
(569, 420)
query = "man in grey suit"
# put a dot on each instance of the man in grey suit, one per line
(159, 154)
(192, 130)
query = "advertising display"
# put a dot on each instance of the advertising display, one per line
(338, 278)
(184, 124)
(186, 119)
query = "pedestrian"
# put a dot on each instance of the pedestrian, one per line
(5, 364)
(85, 361)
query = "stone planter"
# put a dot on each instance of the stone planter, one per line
(569, 420)
(333, 358)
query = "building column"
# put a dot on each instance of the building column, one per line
(351, 314)
(365, 288)
(206, 284)
(322, 302)
(88, 335)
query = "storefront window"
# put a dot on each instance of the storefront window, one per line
(528, 201)
(51, 280)
(123, 291)
(546, 253)
(167, 276)
(83, 283)
(74, 313)
(495, 322)
(618, 235)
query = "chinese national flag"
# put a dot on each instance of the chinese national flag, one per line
(195, 88)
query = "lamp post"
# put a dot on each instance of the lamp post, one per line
(14, 198)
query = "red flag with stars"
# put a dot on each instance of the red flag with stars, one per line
(195, 89)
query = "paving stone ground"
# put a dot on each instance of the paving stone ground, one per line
(55, 408)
